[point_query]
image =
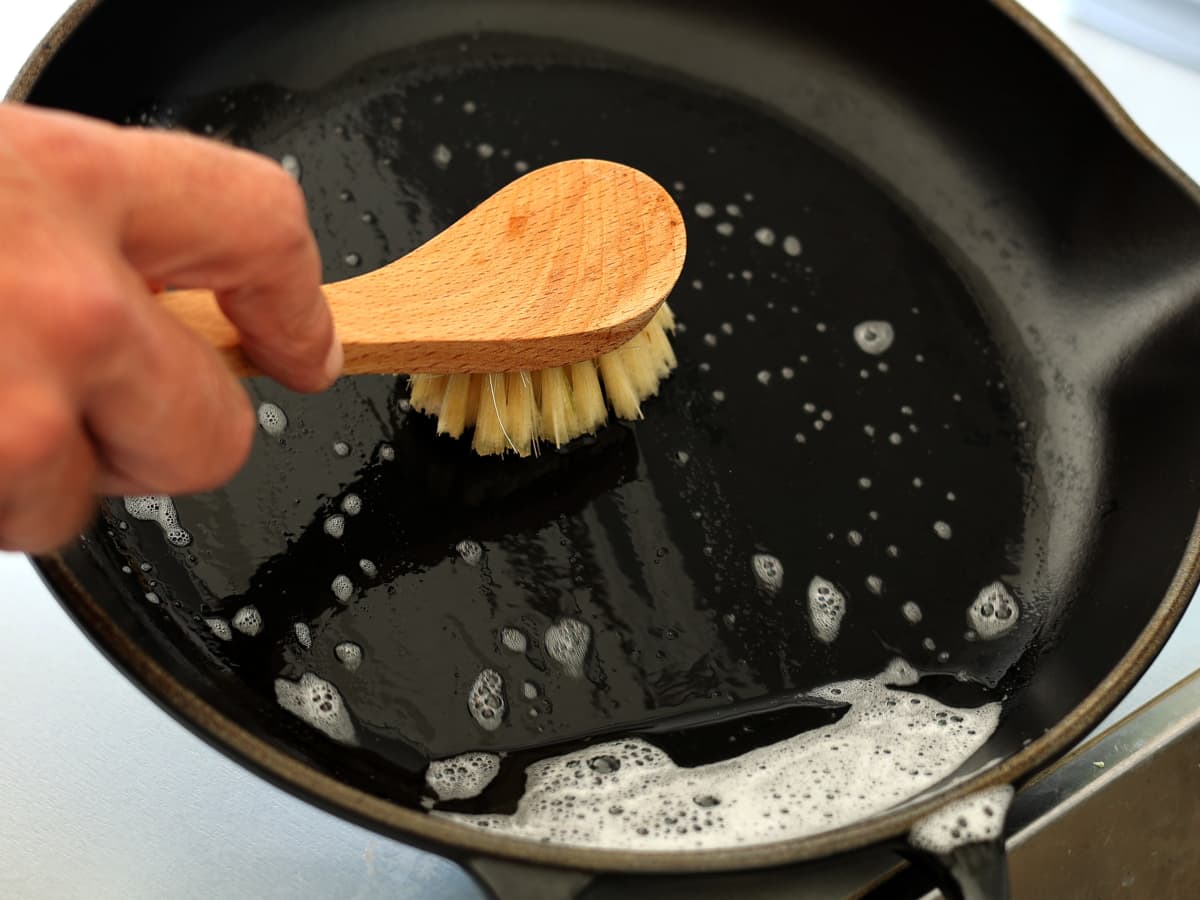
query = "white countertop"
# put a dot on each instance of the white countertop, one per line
(100, 790)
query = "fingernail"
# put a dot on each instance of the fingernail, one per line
(335, 360)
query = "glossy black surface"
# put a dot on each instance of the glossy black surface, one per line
(937, 159)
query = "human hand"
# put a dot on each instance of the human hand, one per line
(102, 391)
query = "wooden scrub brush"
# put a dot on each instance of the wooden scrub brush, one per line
(521, 317)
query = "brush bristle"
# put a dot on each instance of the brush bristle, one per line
(514, 411)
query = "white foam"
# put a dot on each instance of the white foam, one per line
(529, 690)
(705, 210)
(161, 509)
(470, 551)
(442, 156)
(486, 700)
(792, 245)
(628, 795)
(513, 639)
(335, 526)
(153, 598)
(349, 654)
(874, 337)
(725, 229)
(341, 448)
(875, 584)
(368, 568)
(291, 165)
(387, 453)
(220, 628)
(826, 608)
(303, 635)
(764, 377)
(764, 236)
(468, 106)
(248, 620)
(485, 151)
(975, 819)
(462, 777)
(318, 703)
(342, 588)
(912, 612)
(352, 504)
(566, 642)
(768, 572)
(994, 612)
(943, 530)
(272, 419)
(520, 166)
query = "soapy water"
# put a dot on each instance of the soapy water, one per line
(826, 608)
(811, 484)
(248, 620)
(220, 628)
(768, 572)
(629, 795)
(994, 612)
(303, 635)
(976, 819)
(874, 337)
(462, 777)
(349, 654)
(513, 639)
(470, 552)
(343, 588)
(272, 419)
(317, 702)
(161, 509)
(566, 643)
(486, 700)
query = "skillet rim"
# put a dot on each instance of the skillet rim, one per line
(462, 842)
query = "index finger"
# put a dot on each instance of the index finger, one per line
(193, 213)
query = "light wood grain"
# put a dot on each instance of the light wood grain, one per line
(566, 263)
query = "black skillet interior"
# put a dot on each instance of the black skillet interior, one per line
(928, 167)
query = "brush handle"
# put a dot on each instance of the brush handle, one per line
(564, 264)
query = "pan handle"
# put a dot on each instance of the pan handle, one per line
(505, 880)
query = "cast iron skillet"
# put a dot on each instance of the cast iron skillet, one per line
(946, 166)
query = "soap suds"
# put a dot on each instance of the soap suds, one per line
(161, 509)
(318, 703)
(628, 795)
(462, 777)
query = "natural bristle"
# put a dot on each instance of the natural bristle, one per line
(514, 411)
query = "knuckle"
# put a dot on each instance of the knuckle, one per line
(91, 320)
(39, 429)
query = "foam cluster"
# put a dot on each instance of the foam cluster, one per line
(470, 552)
(975, 819)
(826, 608)
(486, 700)
(629, 795)
(161, 509)
(566, 643)
(462, 777)
(515, 411)
(994, 612)
(768, 572)
(272, 419)
(317, 702)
